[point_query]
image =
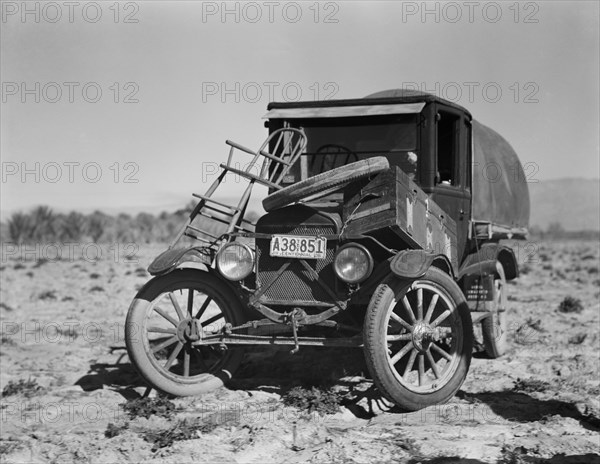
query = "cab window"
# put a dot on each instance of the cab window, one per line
(337, 142)
(448, 143)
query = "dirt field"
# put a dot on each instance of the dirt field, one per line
(62, 335)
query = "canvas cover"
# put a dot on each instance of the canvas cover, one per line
(500, 193)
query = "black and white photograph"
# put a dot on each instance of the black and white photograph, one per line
(300, 232)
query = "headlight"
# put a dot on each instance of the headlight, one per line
(235, 261)
(353, 263)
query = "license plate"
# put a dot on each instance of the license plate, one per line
(294, 246)
(479, 289)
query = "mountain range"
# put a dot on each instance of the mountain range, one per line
(574, 203)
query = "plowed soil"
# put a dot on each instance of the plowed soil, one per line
(62, 329)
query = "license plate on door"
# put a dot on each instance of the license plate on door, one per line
(295, 246)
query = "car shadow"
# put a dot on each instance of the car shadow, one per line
(521, 407)
(119, 376)
(268, 369)
(589, 458)
(275, 370)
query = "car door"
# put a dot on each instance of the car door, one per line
(451, 189)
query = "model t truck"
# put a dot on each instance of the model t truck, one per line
(383, 228)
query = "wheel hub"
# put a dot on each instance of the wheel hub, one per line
(422, 336)
(188, 330)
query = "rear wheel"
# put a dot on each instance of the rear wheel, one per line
(495, 327)
(418, 339)
(167, 316)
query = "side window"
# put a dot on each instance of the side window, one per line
(448, 142)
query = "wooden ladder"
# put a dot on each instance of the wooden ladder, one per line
(285, 145)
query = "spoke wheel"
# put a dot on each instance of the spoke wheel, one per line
(495, 327)
(165, 321)
(418, 339)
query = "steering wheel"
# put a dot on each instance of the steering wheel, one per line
(330, 159)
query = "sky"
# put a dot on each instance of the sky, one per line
(125, 106)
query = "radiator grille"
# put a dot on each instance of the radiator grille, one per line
(295, 283)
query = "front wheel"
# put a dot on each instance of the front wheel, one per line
(418, 339)
(167, 316)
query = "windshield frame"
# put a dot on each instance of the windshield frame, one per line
(401, 156)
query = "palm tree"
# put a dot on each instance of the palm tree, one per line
(96, 225)
(73, 226)
(20, 227)
(44, 224)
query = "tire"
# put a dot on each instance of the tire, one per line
(404, 379)
(495, 327)
(326, 182)
(158, 343)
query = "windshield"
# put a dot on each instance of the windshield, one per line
(335, 142)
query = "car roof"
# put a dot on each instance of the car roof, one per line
(385, 97)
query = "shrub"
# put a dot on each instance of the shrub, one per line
(146, 407)
(5, 340)
(313, 399)
(8, 446)
(26, 388)
(113, 430)
(577, 339)
(3, 305)
(47, 295)
(182, 430)
(141, 272)
(39, 263)
(570, 305)
(535, 324)
(524, 269)
(530, 385)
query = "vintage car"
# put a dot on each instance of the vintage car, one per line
(382, 231)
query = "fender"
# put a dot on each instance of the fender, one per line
(485, 260)
(170, 259)
(413, 264)
(407, 264)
